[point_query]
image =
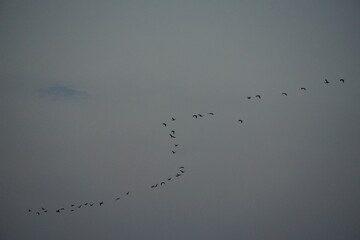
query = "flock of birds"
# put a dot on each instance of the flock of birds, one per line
(172, 134)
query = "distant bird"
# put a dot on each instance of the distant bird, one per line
(210, 113)
(284, 93)
(173, 131)
(172, 136)
(248, 97)
(240, 120)
(79, 206)
(257, 96)
(164, 124)
(127, 193)
(91, 204)
(176, 145)
(169, 179)
(101, 203)
(72, 205)
(72, 210)
(173, 152)
(86, 204)
(162, 183)
(156, 185)
(37, 213)
(43, 209)
(152, 186)
(342, 80)
(326, 81)
(29, 210)
(200, 115)
(181, 167)
(173, 119)
(182, 171)
(303, 88)
(178, 175)
(117, 199)
(194, 116)
(58, 211)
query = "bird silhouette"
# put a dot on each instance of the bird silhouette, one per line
(285, 94)
(172, 119)
(248, 97)
(172, 136)
(342, 80)
(58, 211)
(127, 193)
(173, 152)
(162, 183)
(101, 203)
(176, 145)
(195, 116)
(91, 204)
(303, 88)
(169, 179)
(37, 213)
(182, 171)
(29, 210)
(181, 167)
(72, 205)
(173, 131)
(118, 198)
(326, 81)
(200, 115)
(86, 204)
(240, 120)
(43, 209)
(210, 113)
(72, 210)
(79, 206)
(164, 124)
(178, 175)
(257, 96)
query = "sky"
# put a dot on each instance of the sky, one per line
(86, 86)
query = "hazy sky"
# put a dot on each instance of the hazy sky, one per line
(86, 86)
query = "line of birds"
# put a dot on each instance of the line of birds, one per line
(181, 169)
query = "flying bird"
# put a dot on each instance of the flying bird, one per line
(29, 210)
(240, 120)
(101, 203)
(173, 152)
(164, 124)
(79, 206)
(162, 183)
(248, 97)
(182, 171)
(210, 113)
(342, 80)
(72, 210)
(194, 116)
(172, 136)
(181, 167)
(257, 96)
(285, 94)
(326, 81)
(58, 211)
(169, 179)
(91, 204)
(118, 198)
(176, 145)
(86, 204)
(303, 88)
(37, 213)
(172, 119)
(200, 115)
(178, 175)
(127, 193)
(43, 209)
(173, 131)
(72, 205)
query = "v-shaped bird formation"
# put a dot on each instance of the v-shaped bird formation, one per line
(161, 183)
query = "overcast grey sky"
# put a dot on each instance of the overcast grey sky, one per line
(86, 86)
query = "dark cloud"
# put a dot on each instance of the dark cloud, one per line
(61, 92)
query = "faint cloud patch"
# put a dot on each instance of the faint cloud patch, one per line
(62, 93)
